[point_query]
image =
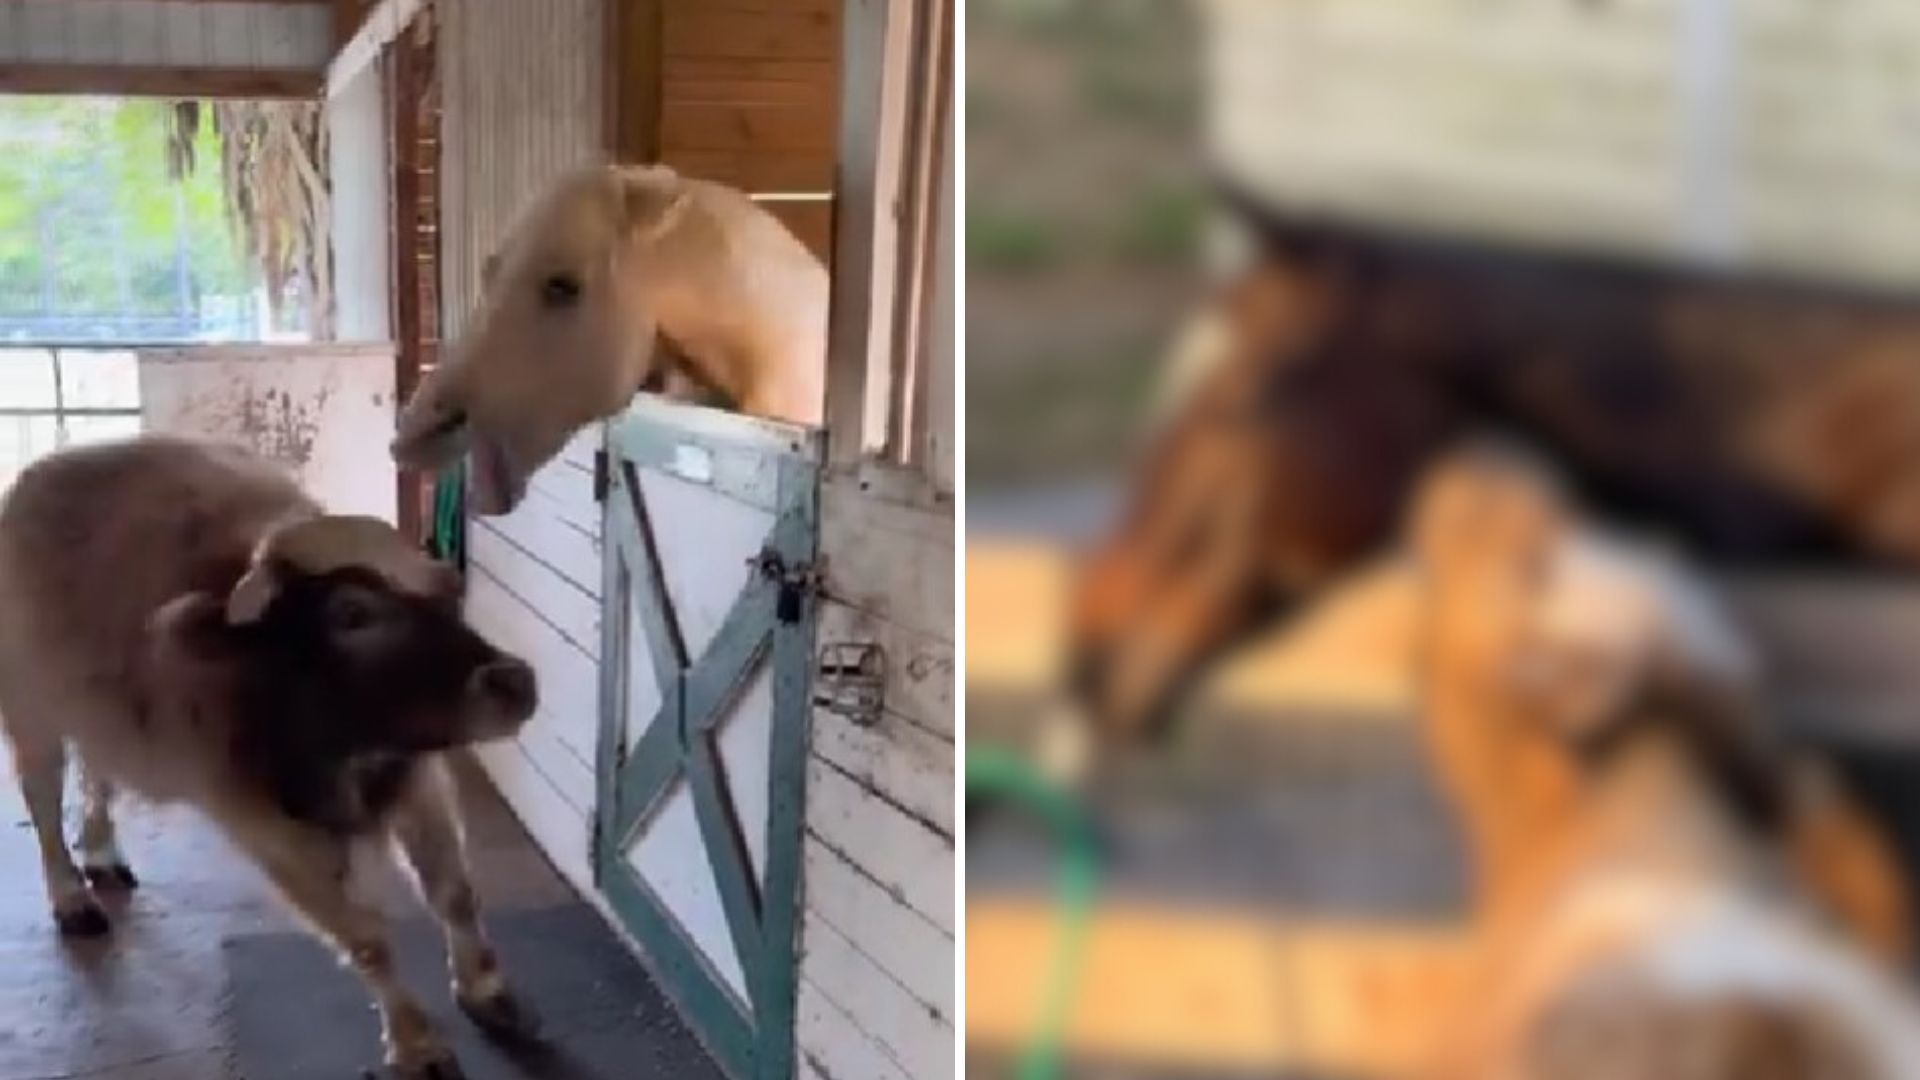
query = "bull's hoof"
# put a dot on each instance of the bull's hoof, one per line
(502, 1016)
(81, 917)
(113, 877)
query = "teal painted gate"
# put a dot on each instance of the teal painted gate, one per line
(710, 527)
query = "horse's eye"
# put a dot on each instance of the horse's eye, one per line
(560, 290)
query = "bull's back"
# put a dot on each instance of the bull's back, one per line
(95, 539)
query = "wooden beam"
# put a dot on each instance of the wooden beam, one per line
(348, 16)
(150, 81)
(289, 3)
(379, 27)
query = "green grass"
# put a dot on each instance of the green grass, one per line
(1058, 417)
(1004, 240)
(1160, 225)
(1120, 89)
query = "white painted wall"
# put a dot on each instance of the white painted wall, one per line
(172, 33)
(324, 411)
(362, 208)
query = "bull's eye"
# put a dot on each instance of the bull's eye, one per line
(560, 290)
(349, 613)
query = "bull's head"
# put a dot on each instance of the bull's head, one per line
(344, 640)
(564, 333)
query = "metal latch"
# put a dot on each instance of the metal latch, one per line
(795, 583)
(851, 681)
(602, 475)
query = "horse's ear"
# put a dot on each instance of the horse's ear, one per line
(652, 198)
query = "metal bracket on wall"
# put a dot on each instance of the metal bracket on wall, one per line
(850, 680)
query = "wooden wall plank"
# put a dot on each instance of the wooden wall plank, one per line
(538, 528)
(697, 29)
(904, 855)
(890, 560)
(909, 949)
(895, 758)
(916, 1037)
(572, 614)
(779, 128)
(569, 678)
(834, 1046)
(755, 170)
(562, 832)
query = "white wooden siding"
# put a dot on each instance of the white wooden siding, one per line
(521, 87)
(166, 33)
(534, 586)
(876, 978)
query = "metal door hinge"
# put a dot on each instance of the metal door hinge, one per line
(602, 477)
(850, 680)
(796, 582)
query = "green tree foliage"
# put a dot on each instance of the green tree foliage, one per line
(92, 222)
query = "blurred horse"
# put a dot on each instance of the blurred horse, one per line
(1666, 893)
(1754, 421)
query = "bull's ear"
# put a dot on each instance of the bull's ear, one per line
(253, 593)
(189, 626)
(653, 198)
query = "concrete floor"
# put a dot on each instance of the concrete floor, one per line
(147, 1002)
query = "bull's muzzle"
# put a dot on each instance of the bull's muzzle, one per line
(502, 695)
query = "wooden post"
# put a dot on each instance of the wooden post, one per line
(407, 71)
(632, 76)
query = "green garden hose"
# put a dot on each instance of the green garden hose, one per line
(448, 535)
(1002, 775)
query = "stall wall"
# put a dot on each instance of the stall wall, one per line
(324, 412)
(169, 33)
(748, 93)
(876, 976)
(1772, 132)
(877, 970)
(523, 103)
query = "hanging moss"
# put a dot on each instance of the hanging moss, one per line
(275, 191)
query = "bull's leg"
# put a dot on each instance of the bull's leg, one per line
(42, 764)
(100, 858)
(428, 831)
(312, 870)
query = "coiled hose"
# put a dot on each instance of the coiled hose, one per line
(448, 532)
(999, 775)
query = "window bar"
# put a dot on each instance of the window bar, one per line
(59, 401)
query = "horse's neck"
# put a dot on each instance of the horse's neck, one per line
(770, 361)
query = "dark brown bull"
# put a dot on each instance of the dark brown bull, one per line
(197, 630)
(1756, 421)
